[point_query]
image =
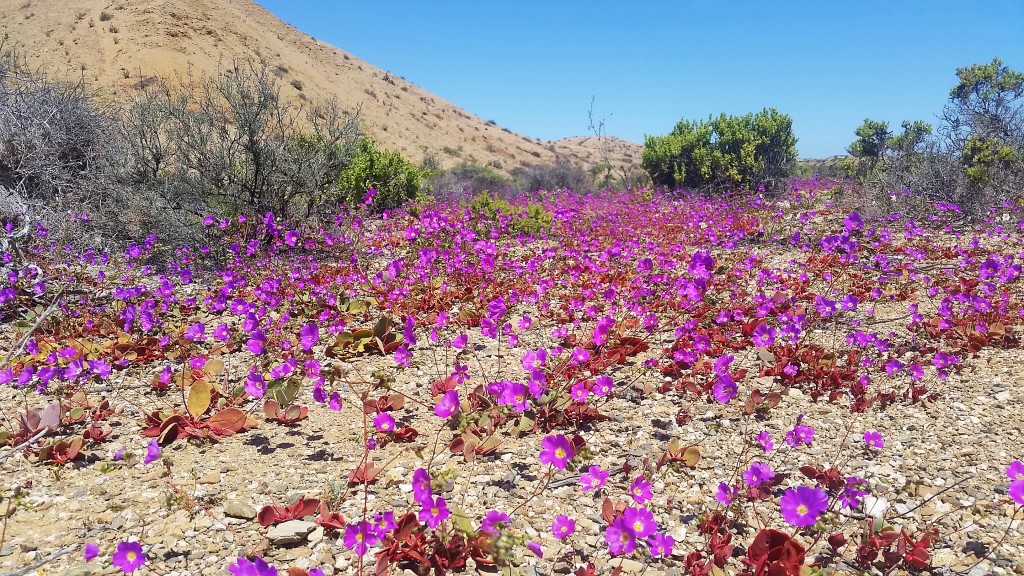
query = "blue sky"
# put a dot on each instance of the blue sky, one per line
(533, 66)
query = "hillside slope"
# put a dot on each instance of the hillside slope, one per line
(115, 44)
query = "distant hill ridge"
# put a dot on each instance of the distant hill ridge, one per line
(117, 44)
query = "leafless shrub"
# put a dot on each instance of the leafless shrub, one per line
(563, 174)
(53, 139)
(232, 144)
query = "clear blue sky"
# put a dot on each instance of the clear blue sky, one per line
(533, 66)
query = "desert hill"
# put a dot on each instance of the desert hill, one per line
(116, 44)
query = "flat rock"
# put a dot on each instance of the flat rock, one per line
(211, 478)
(290, 532)
(239, 509)
(628, 566)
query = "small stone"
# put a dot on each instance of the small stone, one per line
(316, 535)
(211, 478)
(84, 570)
(290, 532)
(239, 509)
(628, 566)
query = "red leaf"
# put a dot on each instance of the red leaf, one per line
(276, 514)
(365, 473)
(227, 421)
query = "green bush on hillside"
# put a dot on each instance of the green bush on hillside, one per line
(395, 178)
(724, 152)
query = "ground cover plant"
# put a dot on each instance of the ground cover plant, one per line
(649, 382)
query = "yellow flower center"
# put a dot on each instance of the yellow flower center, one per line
(359, 537)
(130, 556)
(559, 453)
(637, 526)
(801, 510)
(434, 511)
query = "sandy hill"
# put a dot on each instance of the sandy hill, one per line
(115, 44)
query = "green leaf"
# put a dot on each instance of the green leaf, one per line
(461, 520)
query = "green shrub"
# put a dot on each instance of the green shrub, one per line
(723, 152)
(531, 219)
(395, 178)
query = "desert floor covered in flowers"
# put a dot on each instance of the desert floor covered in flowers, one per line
(570, 384)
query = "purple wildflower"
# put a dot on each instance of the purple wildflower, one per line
(494, 521)
(724, 389)
(1015, 471)
(309, 335)
(802, 505)
(640, 520)
(661, 544)
(448, 404)
(563, 527)
(257, 567)
(641, 490)
(758, 473)
(359, 536)
(557, 451)
(620, 538)
(128, 557)
(384, 422)
(594, 478)
(873, 440)
(152, 452)
(434, 513)
(726, 493)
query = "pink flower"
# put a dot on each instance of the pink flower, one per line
(661, 544)
(494, 521)
(384, 422)
(641, 490)
(152, 452)
(563, 527)
(557, 451)
(579, 392)
(460, 341)
(448, 405)
(1016, 491)
(603, 385)
(620, 538)
(758, 473)
(309, 335)
(434, 513)
(1015, 471)
(594, 478)
(359, 536)
(873, 440)
(91, 551)
(640, 520)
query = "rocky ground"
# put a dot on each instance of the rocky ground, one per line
(194, 510)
